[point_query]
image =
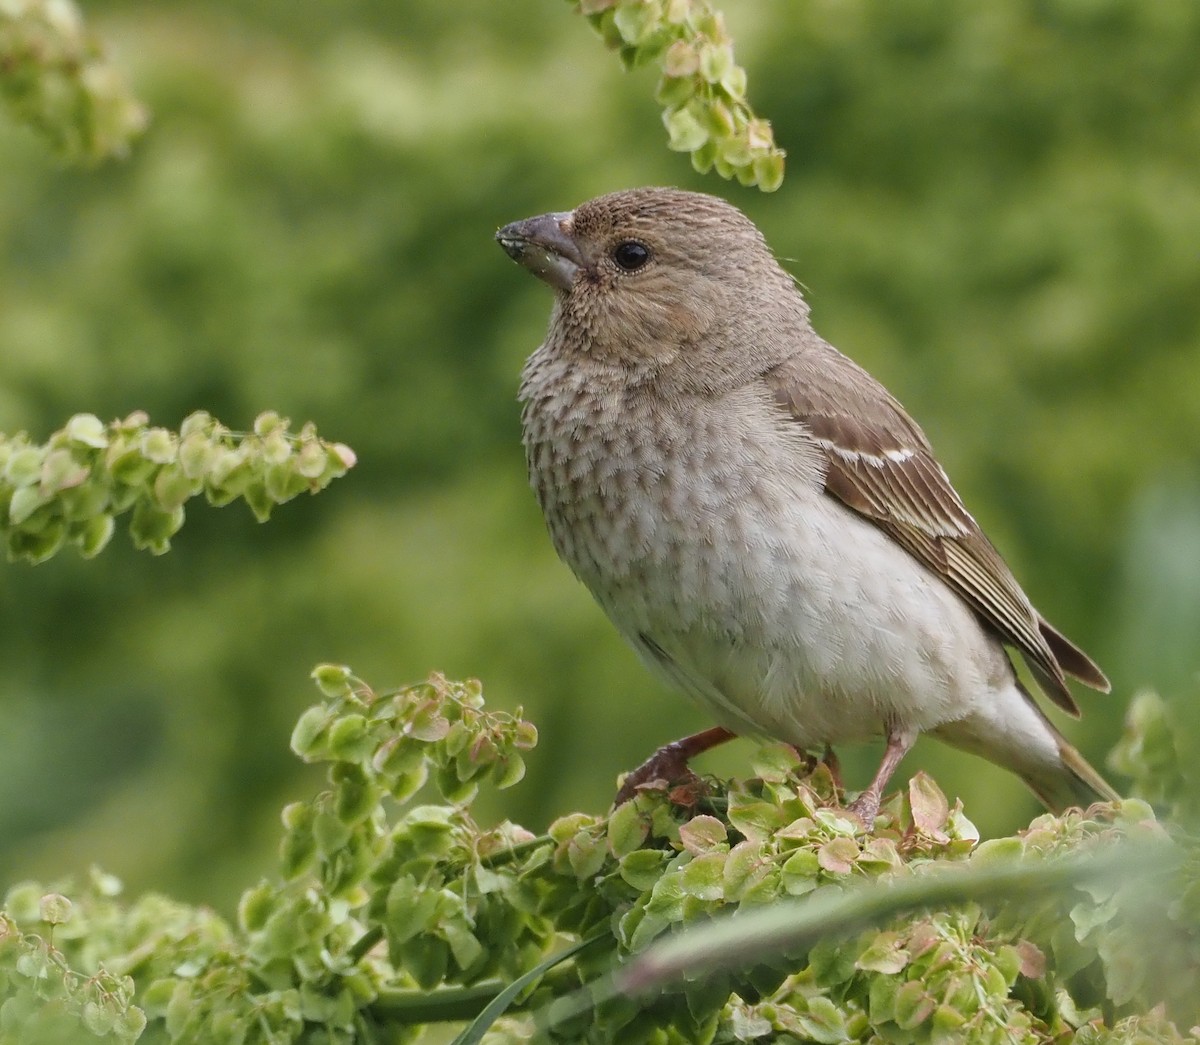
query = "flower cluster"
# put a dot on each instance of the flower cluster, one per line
(56, 80)
(70, 489)
(702, 89)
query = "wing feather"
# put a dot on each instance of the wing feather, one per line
(882, 466)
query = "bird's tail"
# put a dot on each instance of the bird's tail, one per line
(1073, 783)
(1013, 732)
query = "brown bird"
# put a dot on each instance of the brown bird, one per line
(759, 518)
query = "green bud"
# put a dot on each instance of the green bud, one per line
(99, 1018)
(355, 800)
(734, 82)
(94, 534)
(54, 908)
(332, 679)
(196, 454)
(297, 816)
(25, 501)
(349, 739)
(718, 118)
(196, 424)
(339, 460)
(681, 60)
(24, 466)
(255, 907)
(311, 459)
(636, 21)
(736, 152)
(283, 482)
(685, 132)
(267, 422)
(330, 833)
(674, 92)
(84, 501)
(309, 730)
(715, 62)
(172, 487)
(158, 445)
(627, 830)
(768, 171)
(276, 448)
(60, 471)
(259, 501)
(297, 852)
(704, 157)
(87, 430)
(126, 462)
(40, 543)
(152, 528)
(509, 769)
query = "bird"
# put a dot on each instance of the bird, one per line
(760, 519)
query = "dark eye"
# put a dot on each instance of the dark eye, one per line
(631, 255)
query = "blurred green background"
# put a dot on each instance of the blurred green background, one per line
(995, 208)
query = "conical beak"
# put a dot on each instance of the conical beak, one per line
(545, 247)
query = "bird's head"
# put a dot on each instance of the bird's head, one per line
(649, 275)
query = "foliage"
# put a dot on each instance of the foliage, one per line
(55, 77)
(70, 488)
(390, 912)
(992, 209)
(702, 90)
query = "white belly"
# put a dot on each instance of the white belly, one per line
(829, 634)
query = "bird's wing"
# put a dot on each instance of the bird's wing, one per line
(882, 466)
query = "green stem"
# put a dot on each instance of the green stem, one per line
(440, 1005)
(504, 856)
(358, 951)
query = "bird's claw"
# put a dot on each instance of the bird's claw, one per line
(666, 767)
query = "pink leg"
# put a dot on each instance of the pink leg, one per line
(670, 763)
(866, 805)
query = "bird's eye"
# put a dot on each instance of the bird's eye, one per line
(631, 255)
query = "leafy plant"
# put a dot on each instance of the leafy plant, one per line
(390, 912)
(702, 89)
(70, 489)
(55, 78)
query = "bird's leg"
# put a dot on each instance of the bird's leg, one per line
(866, 805)
(670, 762)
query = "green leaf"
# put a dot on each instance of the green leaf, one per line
(885, 953)
(627, 829)
(704, 877)
(837, 856)
(479, 1026)
(642, 868)
(912, 1005)
(703, 834)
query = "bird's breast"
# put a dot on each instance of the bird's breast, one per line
(668, 507)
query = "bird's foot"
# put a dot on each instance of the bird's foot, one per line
(669, 764)
(866, 807)
(666, 767)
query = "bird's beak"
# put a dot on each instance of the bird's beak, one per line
(545, 247)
